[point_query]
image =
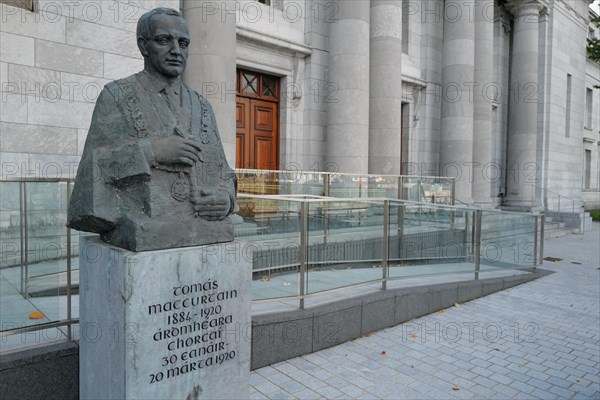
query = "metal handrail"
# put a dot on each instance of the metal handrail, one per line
(374, 200)
(559, 196)
(546, 206)
(277, 179)
(4, 178)
(297, 172)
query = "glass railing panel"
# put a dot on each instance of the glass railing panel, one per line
(384, 186)
(428, 189)
(309, 183)
(14, 309)
(33, 270)
(351, 186)
(427, 240)
(257, 182)
(508, 240)
(263, 217)
(260, 182)
(269, 229)
(437, 190)
(10, 224)
(344, 244)
(412, 189)
(46, 274)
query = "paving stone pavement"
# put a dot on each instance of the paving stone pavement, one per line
(537, 340)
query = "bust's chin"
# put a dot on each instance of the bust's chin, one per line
(170, 75)
(173, 72)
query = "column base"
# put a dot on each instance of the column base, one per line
(521, 206)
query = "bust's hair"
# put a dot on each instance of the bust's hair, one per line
(143, 25)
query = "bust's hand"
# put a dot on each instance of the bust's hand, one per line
(212, 205)
(175, 150)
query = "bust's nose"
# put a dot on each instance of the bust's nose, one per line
(175, 49)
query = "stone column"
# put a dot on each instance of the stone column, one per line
(483, 96)
(458, 75)
(500, 115)
(522, 168)
(211, 65)
(348, 111)
(385, 94)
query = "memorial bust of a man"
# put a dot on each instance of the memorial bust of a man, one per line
(153, 174)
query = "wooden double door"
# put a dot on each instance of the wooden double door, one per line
(257, 121)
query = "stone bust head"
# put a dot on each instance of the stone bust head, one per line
(163, 40)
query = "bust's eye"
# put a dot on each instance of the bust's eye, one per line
(184, 44)
(162, 40)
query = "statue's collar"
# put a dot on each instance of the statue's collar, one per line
(149, 81)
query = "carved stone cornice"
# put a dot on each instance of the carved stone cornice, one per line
(502, 16)
(545, 14)
(525, 8)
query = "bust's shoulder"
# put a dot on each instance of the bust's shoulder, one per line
(131, 79)
(117, 86)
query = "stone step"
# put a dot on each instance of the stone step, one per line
(555, 233)
(554, 229)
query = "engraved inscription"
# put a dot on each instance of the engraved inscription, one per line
(191, 329)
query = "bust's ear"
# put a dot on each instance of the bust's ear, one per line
(141, 42)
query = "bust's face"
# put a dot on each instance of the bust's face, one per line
(166, 48)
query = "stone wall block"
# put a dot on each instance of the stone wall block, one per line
(16, 49)
(67, 58)
(97, 37)
(53, 113)
(42, 24)
(22, 138)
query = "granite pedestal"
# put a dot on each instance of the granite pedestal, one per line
(167, 324)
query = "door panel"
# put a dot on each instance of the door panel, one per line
(263, 117)
(263, 150)
(256, 134)
(242, 133)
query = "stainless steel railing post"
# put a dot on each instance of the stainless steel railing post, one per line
(303, 250)
(400, 188)
(542, 228)
(25, 243)
(401, 221)
(467, 241)
(69, 271)
(535, 241)
(477, 243)
(385, 243)
(473, 234)
(22, 235)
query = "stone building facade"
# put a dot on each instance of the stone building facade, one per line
(497, 93)
(591, 144)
